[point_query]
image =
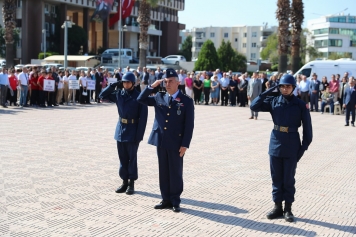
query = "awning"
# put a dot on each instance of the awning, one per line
(76, 58)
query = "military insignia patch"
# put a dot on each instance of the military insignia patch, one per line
(307, 106)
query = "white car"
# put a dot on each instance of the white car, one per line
(85, 69)
(19, 66)
(173, 59)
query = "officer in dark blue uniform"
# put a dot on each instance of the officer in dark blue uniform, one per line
(171, 133)
(130, 128)
(285, 148)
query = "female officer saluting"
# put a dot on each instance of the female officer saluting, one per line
(285, 149)
(130, 128)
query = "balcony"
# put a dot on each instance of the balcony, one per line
(263, 38)
(198, 38)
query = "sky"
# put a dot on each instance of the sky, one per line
(226, 13)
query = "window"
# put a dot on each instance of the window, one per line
(352, 19)
(212, 35)
(253, 45)
(335, 43)
(321, 31)
(253, 55)
(53, 9)
(244, 45)
(328, 43)
(19, 3)
(47, 28)
(254, 34)
(245, 35)
(352, 43)
(46, 8)
(334, 31)
(236, 39)
(226, 35)
(338, 19)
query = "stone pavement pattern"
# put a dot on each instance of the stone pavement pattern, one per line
(59, 170)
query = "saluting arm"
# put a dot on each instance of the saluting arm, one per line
(145, 98)
(261, 102)
(109, 93)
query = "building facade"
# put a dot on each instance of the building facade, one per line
(40, 20)
(248, 40)
(333, 35)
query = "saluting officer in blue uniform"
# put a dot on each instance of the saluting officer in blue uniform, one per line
(171, 133)
(129, 129)
(285, 148)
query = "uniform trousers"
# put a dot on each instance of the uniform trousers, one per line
(350, 108)
(282, 173)
(314, 101)
(170, 175)
(127, 152)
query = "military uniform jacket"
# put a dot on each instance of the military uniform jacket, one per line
(128, 108)
(171, 128)
(290, 114)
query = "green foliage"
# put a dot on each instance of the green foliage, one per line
(274, 67)
(271, 47)
(230, 59)
(2, 41)
(186, 50)
(208, 58)
(76, 37)
(335, 55)
(41, 55)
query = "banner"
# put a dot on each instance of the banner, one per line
(48, 85)
(102, 11)
(91, 85)
(73, 84)
(126, 9)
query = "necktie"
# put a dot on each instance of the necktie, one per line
(170, 100)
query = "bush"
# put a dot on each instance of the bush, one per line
(274, 67)
(41, 55)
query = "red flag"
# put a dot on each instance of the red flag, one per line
(126, 8)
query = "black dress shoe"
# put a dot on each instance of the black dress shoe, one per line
(130, 188)
(176, 209)
(123, 187)
(352, 124)
(347, 124)
(164, 205)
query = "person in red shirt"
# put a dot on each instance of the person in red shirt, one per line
(51, 96)
(41, 94)
(34, 88)
(13, 84)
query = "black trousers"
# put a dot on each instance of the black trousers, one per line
(197, 95)
(83, 99)
(51, 98)
(233, 97)
(42, 97)
(97, 92)
(224, 97)
(206, 94)
(350, 108)
(242, 96)
(34, 97)
(12, 98)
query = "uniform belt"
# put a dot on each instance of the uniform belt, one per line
(123, 120)
(285, 129)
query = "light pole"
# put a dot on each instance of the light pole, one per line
(44, 43)
(120, 33)
(67, 24)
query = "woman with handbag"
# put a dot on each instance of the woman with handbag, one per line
(83, 94)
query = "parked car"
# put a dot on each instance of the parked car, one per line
(70, 69)
(3, 63)
(173, 59)
(47, 66)
(19, 66)
(85, 69)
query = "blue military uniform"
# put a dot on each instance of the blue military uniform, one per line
(285, 148)
(350, 102)
(172, 128)
(129, 129)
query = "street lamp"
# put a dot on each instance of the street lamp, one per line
(44, 43)
(67, 24)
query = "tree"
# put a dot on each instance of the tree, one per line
(77, 37)
(208, 58)
(230, 59)
(186, 50)
(16, 37)
(271, 48)
(282, 15)
(297, 17)
(9, 11)
(144, 19)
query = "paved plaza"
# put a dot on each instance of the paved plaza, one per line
(59, 170)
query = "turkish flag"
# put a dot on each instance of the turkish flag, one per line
(126, 9)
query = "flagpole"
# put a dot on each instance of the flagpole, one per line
(120, 32)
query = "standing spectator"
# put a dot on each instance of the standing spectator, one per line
(342, 88)
(233, 89)
(215, 87)
(144, 75)
(304, 86)
(51, 98)
(56, 79)
(181, 77)
(197, 88)
(118, 77)
(138, 81)
(327, 99)
(189, 84)
(323, 85)
(13, 82)
(34, 101)
(254, 89)
(83, 94)
(72, 92)
(264, 80)
(151, 79)
(350, 102)
(23, 82)
(314, 93)
(59, 88)
(41, 93)
(334, 87)
(271, 83)
(207, 86)
(66, 87)
(242, 86)
(4, 83)
(99, 77)
(224, 84)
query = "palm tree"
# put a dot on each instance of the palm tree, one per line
(8, 12)
(144, 19)
(297, 17)
(282, 15)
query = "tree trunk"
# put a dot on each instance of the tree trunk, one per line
(297, 17)
(9, 11)
(282, 15)
(144, 19)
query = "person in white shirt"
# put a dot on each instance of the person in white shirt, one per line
(4, 84)
(23, 83)
(71, 95)
(83, 96)
(60, 88)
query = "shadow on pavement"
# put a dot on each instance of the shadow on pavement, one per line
(10, 111)
(344, 228)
